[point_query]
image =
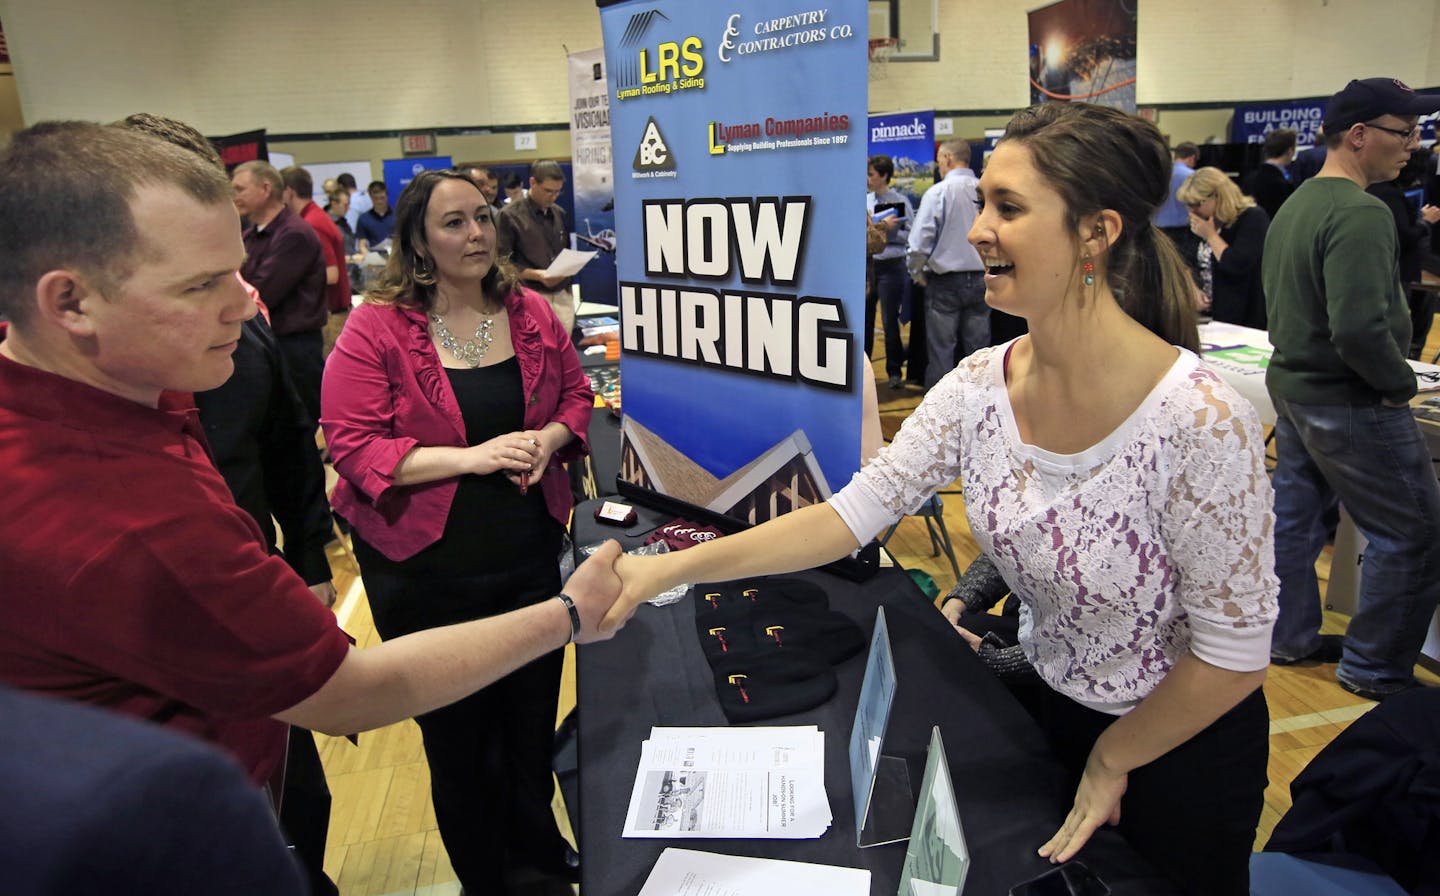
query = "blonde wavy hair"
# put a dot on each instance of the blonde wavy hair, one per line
(1209, 182)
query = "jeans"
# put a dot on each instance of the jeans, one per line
(889, 282)
(956, 313)
(1375, 461)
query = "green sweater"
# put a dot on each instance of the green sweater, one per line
(1338, 317)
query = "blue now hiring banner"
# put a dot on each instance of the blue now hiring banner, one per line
(908, 138)
(739, 158)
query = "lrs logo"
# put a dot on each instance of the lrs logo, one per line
(672, 61)
(659, 64)
(653, 154)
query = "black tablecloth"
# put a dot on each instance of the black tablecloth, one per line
(1008, 788)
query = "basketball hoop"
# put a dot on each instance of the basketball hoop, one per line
(881, 49)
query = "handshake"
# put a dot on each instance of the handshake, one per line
(610, 585)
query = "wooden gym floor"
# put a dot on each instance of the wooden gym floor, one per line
(383, 840)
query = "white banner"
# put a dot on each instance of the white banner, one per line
(594, 223)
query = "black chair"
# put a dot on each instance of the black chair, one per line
(1371, 799)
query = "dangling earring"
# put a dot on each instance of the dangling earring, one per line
(1088, 266)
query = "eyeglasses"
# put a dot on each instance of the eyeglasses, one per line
(1407, 136)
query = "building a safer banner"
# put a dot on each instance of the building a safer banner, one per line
(739, 138)
(1253, 121)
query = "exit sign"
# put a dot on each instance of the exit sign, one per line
(418, 144)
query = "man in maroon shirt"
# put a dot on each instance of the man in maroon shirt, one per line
(284, 260)
(298, 196)
(132, 581)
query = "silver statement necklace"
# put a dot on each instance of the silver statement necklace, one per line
(471, 351)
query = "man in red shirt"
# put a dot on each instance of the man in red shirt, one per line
(132, 581)
(298, 195)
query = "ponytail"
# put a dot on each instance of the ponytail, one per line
(1155, 288)
(1098, 158)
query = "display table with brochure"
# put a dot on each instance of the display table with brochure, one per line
(1008, 788)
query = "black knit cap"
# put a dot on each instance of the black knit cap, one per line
(761, 686)
(831, 635)
(772, 644)
(1369, 98)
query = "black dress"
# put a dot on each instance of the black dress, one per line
(489, 754)
(1412, 238)
(1237, 296)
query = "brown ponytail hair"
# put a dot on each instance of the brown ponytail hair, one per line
(1099, 158)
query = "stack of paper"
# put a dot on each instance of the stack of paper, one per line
(730, 782)
(684, 872)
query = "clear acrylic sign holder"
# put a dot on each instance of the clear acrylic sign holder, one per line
(880, 784)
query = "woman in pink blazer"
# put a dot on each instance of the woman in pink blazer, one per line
(450, 402)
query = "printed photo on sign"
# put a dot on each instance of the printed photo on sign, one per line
(1084, 50)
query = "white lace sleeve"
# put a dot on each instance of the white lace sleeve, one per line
(924, 455)
(1219, 522)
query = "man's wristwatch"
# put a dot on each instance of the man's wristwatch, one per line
(569, 603)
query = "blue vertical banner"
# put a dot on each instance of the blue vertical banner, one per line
(593, 175)
(739, 152)
(908, 138)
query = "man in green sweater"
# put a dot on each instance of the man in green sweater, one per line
(1341, 388)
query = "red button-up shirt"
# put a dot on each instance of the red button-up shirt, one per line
(133, 582)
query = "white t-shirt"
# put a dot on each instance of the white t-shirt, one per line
(1157, 540)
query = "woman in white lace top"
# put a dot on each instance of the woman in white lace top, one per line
(1117, 484)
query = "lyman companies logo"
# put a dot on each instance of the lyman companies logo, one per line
(778, 133)
(811, 26)
(653, 157)
(647, 66)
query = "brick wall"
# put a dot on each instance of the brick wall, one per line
(326, 65)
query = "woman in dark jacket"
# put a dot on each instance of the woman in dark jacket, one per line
(1231, 229)
(1412, 235)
